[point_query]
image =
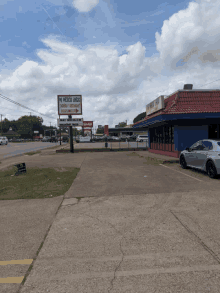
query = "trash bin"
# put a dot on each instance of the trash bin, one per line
(21, 168)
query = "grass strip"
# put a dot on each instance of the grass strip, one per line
(36, 183)
(32, 153)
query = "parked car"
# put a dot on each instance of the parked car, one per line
(53, 139)
(141, 138)
(84, 139)
(46, 138)
(115, 138)
(65, 139)
(203, 155)
(3, 140)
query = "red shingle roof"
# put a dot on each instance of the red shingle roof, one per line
(182, 102)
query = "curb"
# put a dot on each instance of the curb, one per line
(101, 150)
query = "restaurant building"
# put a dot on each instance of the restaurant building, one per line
(180, 119)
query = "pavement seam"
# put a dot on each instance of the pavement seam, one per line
(213, 254)
(122, 252)
(39, 249)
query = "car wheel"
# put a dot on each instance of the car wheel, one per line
(211, 170)
(183, 163)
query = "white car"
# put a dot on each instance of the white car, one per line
(84, 139)
(203, 155)
(3, 140)
(141, 138)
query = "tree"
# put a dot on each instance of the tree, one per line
(139, 117)
(100, 131)
(122, 124)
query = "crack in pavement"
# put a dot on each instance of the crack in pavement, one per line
(213, 254)
(122, 252)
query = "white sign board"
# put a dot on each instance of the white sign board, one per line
(154, 106)
(69, 104)
(68, 122)
(36, 131)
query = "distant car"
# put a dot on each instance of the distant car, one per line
(53, 139)
(65, 139)
(3, 140)
(115, 138)
(203, 155)
(84, 139)
(142, 138)
(46, 138)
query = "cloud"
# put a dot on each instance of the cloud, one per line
(191, 34)
(117, 87)
(85, 5)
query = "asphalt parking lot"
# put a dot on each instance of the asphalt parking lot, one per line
(127, 224)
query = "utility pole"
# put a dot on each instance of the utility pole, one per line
(1, 124)
(50, 129)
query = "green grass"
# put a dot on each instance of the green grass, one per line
(36, 183)
(153, 161)
(32, 153)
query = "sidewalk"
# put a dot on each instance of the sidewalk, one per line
(121, 229)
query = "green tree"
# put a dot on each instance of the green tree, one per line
(122, 124)
(100, 131)
(139, 117)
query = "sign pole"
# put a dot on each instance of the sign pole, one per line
(60, 131)
(71, 136)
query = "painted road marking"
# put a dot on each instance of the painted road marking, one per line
(16, 262)
(181, 172)
(14, 280)
(11, 280)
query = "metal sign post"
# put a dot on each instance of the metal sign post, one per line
(60, 131)
(71, 137)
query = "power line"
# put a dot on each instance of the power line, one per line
(4, 97)
(51, 18)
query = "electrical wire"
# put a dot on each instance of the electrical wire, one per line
(9, 100)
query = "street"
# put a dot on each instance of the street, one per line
(13, 149)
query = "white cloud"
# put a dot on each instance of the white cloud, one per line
(191, 34)
(85, 5)
(114, 87)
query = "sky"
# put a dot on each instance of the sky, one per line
(119, 55)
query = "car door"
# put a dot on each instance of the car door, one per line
(203, 153)
(192, 155)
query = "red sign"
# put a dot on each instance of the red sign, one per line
(87, 123)
(106, 130)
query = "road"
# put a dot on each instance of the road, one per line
(13, 149)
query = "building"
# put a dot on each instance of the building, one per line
(181, 119)
(11, 134)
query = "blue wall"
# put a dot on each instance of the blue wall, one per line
(185, 136)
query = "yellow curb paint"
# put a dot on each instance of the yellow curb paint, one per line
(16, 262)
(11, 280)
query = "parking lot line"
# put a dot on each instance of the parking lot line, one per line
(11, 280)
(16, 262)
(181, 173)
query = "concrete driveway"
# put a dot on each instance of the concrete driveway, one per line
(127, 224)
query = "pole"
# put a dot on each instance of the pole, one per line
(1, 124)
(60, 131)
(71, 137)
